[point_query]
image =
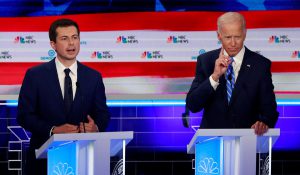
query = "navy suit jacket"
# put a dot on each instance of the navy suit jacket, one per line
(252, 99)
(41, 105)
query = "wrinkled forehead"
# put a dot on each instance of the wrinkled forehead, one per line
(235, 28)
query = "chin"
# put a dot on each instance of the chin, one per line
(232, 54)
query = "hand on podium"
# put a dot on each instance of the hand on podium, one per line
(260, 128)
(88, 127)
(65, 128)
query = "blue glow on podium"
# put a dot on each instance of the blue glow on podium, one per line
(62, 160)
(126, 103)
(209, 157)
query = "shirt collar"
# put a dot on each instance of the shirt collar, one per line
(60, 67)
(239, 57)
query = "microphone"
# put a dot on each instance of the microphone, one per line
(81, 104)
(186, 117)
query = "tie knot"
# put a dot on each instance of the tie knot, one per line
(232, 60)
(67, 71)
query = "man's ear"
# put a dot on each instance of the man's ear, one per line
(219, 36)
(245, 33)
(53, 45)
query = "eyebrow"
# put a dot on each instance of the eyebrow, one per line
(68, 36)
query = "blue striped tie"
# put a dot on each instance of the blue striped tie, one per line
(230, 79)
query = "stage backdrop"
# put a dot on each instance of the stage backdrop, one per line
(149, 53)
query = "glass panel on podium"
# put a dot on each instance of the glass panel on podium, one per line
(84, 153)
(116, 164)
(63, 159)
(264, 155)
(117, 160)
(237, 149)
(209, 157)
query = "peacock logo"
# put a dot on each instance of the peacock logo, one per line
(208, 166)
(62, 169)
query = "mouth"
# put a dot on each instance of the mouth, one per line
(71, 50)
(232, 49)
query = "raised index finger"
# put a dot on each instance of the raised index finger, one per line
(221, 52)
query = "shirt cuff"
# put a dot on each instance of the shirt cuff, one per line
(213, 83)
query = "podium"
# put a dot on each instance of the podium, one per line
(232, 151)
(84, 153)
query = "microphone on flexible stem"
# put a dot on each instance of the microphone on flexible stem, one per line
(81, 104)
(186, 117)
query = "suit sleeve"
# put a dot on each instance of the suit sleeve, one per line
(201, 89)
(100, 109)
(28, 107)
(268, 105)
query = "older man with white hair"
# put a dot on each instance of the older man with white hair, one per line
(233, 85)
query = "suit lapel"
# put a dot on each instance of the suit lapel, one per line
(242, 76)
(54, 84)
(78, 100)
(224, 89)
(80, 78)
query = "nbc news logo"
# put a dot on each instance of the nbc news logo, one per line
(152, 55)
(127, 40)
(181, 39)
(5, 55)
(24, 40)
(102, 55)
(296, 54)
(279, 39)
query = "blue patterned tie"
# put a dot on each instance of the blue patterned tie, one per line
(230, 79)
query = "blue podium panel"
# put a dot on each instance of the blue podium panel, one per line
(62, 160)
(209, 157)
(83, 153)
(230, 151)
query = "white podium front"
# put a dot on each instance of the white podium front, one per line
(83, 153)
(231, 151)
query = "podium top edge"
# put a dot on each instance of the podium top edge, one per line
(235, 132)
(92, 136)
(60, 138)
(203, 134)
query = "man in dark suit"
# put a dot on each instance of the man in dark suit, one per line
(233, 84)
(61, 96)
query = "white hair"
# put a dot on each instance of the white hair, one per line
(231, 17)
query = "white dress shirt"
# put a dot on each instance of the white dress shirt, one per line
(61, 75)
(61, 78)
(237, 63)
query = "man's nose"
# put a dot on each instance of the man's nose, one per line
(71, 41)
(233, 41)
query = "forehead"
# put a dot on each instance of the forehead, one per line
(66, 31)
(232, 28)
